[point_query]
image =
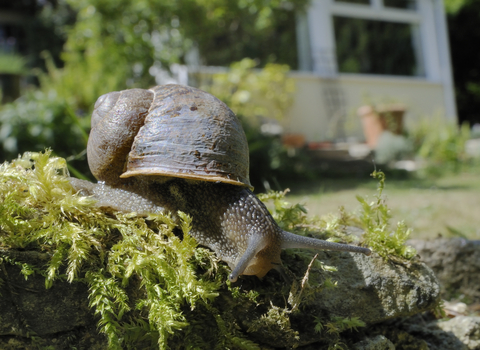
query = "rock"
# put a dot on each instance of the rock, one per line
(465, 328)
(379, 342)
(370, 288)
(434, 337)
(456, 263)
(419, 332)
(54, 316)
(29, 305)
(375, 289)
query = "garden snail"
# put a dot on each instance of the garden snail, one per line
(174, 148)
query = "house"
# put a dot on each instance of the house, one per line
(390, 54)
(357, 52)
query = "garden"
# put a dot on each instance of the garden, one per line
(130, 281)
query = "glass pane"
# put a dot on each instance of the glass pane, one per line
(377, 47)
(401, 4)
(364, 2)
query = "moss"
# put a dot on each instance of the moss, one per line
(146, 285)
(108, 251)
(375, 220)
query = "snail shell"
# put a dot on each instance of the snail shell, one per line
(169, 130)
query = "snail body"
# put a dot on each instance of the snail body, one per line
(175, 148)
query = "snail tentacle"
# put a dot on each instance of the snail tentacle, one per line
(290, 240)
(255, 244)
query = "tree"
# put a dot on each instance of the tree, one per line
(116, 44)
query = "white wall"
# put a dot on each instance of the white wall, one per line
(432, 93)
(308, 115)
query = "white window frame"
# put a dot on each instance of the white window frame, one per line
(434, 59)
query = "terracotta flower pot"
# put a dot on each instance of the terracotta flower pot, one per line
(376, 121)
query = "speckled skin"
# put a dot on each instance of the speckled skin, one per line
(228, 219)
(225, 218)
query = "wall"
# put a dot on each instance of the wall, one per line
(309, 114)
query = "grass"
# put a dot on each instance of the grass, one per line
(447, 206)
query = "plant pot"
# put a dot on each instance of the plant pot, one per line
(376, 120)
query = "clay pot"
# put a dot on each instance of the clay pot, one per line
(377, 120)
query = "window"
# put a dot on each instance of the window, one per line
(364, 2)
(376, 47)
(401, 4)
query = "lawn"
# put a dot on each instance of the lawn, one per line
(447, 206)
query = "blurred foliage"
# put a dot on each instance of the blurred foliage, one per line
(453, 6)
(38, 120)
(250, 93)
(12, 63)
(261, 29)
(440, 145)
(126, 44)
(45, 30)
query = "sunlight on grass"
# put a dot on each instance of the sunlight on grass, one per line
(448, 206)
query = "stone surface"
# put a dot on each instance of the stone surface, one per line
(379, 342)
(434, 337)
(456, 263)
(34, 317)
(419, 332)
(465, 328)
(28, 307)
(375, 289)
(370, 288)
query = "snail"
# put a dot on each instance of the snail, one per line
(176, 147)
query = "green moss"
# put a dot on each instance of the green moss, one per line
(275, 323)
(375, 220)
(109, 251)
(147, 286)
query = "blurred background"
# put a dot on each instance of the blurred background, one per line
(327, 90)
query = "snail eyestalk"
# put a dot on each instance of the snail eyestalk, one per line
(290, 240)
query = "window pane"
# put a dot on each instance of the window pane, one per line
(401, 4)
(377, 47)
(364, 2)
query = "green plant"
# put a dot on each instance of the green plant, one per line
(336, 326)
(12, 63)
(374, 219)
(39, 120)
(441, 145)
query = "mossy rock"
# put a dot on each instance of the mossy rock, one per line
(72, 275)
